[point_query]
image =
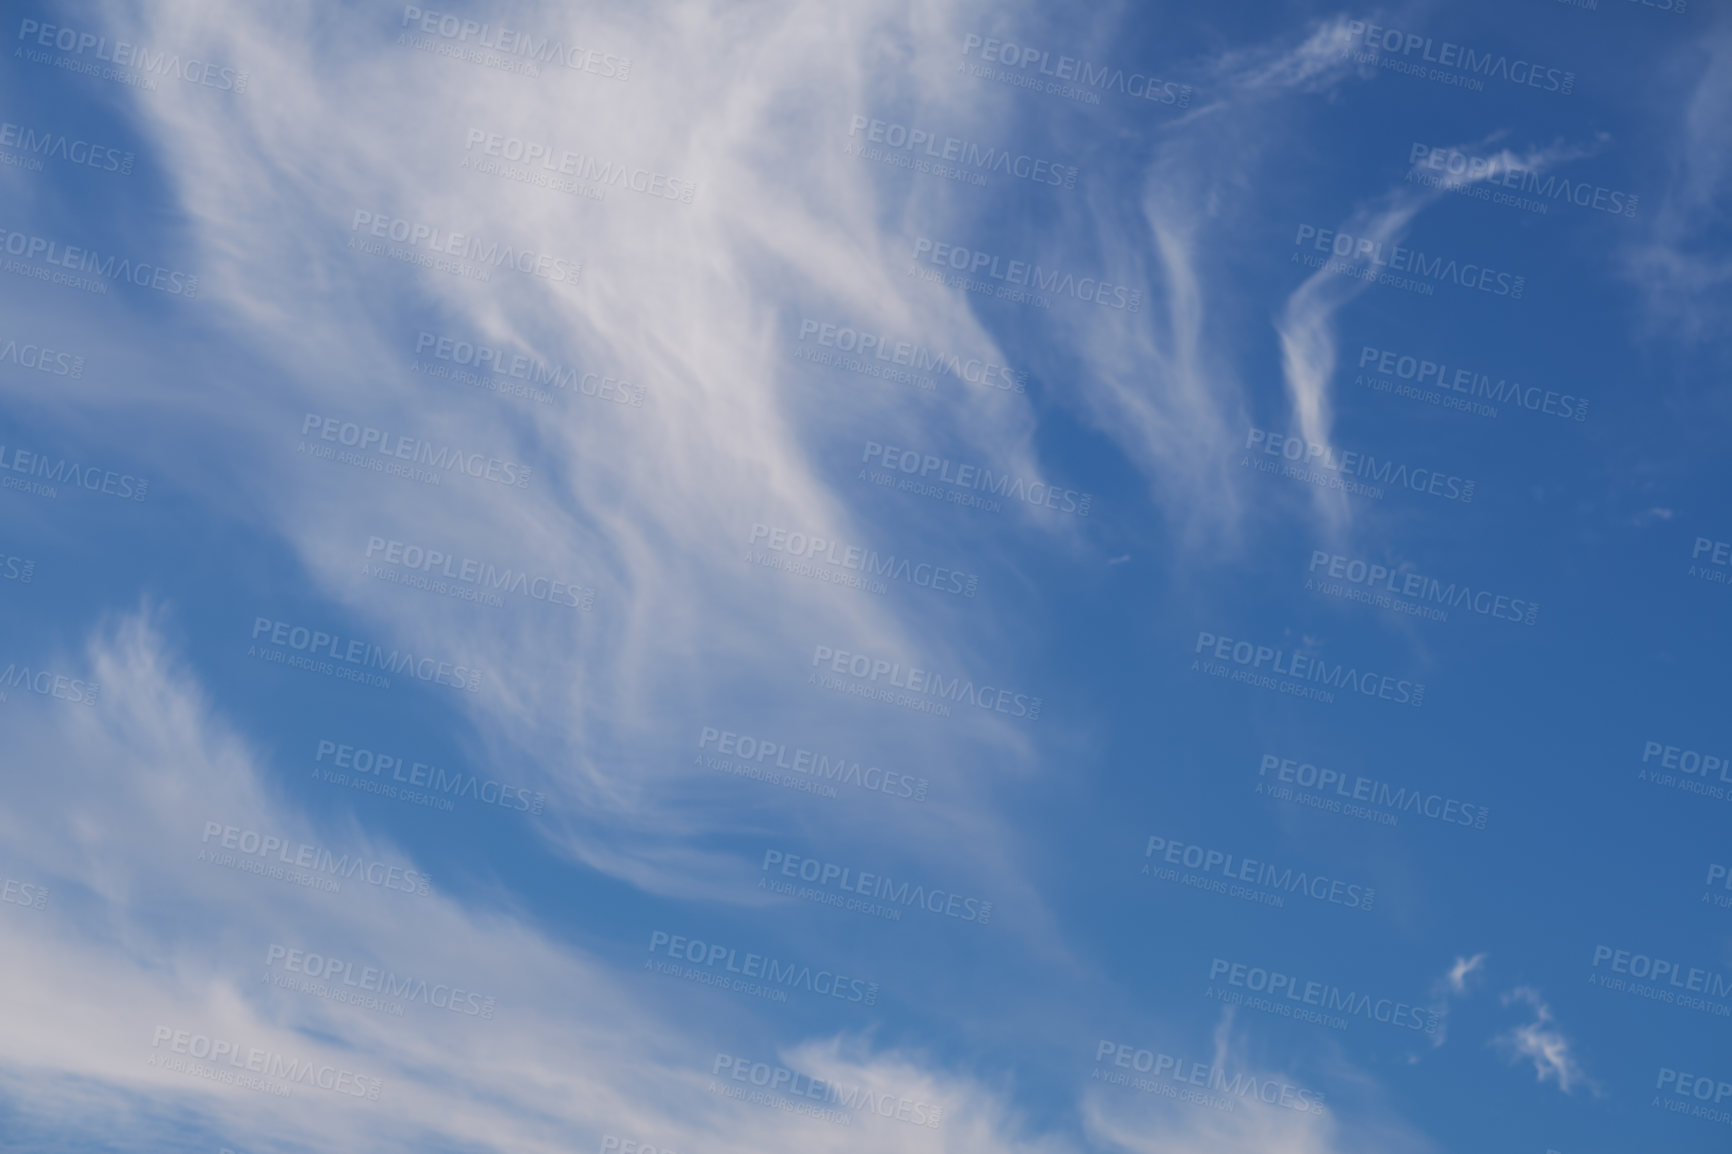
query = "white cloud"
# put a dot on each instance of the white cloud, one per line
(1463, 969)
(1542, 1042)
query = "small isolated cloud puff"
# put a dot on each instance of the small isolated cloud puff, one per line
(1542, 1042)
(1463, 969)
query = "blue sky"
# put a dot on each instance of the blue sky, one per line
(1179, 561)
